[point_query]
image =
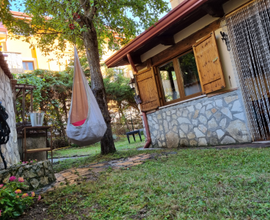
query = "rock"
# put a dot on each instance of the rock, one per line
(198, 133)
(202, 142)
(34, 183)
(212, 124)
(240, 116)
(191, 135)
(181, 134)
(190, 108)
(209, 106)
(185, 113)
(168, 112)
(184, 127)
(193, 143)
(183, 143)
(203, 119)
(159, 117)
(208, 114)
(220, 133)
(230, 99)
(194, 122)
(196, 114)
(202, 128)
(172, 139)
(228, 140)
(174, 116)
(182, 120)
(237, 129)
(213, 110)
(44, 181)
(218, 116)
(223, 123)
(226, 112)
(213, 141)
(202, 111)
(219, 103)
(237, 107)
(198, 106)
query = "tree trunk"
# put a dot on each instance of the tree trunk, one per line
(97, 85)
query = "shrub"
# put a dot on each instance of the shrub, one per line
(13, 200)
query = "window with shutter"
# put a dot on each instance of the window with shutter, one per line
(208, 64)
(147, 90)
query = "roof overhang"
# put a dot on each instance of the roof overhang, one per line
(177, 19)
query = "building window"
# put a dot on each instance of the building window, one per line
(169, 82)
(189, 74)
(28, 65)
(179, 78)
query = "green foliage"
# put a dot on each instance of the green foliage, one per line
(13, 201)
(52, 95)
(52, 20)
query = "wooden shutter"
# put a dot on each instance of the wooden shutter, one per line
(208, 64)
(147, 90)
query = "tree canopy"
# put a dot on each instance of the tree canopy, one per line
(116, 21)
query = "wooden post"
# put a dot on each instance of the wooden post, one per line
(13, 82)
(31, 104)
(23, 105)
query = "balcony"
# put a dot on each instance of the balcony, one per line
(14, 61)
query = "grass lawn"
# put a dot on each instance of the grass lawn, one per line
(121, 144)
(193, 184)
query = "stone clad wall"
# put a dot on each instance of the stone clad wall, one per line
(206, 121)
(35, 176)
(10, 150)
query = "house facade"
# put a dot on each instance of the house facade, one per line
(202, 73)
(10, 149)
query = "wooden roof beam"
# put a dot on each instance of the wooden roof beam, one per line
(166, 40)
(214, 9)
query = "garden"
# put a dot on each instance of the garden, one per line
(171, 184)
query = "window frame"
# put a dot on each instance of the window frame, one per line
(179, 78)
(28, 61)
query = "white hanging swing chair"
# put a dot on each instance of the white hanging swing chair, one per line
(86, 124)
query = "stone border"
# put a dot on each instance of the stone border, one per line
(35, 176)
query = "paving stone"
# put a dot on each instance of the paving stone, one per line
(218, 116)
(182, 134)
(194, 122)
(185, 113)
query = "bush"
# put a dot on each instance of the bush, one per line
(13, 200)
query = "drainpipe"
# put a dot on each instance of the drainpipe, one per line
(147, 130)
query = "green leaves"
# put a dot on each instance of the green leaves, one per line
(50, 20)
